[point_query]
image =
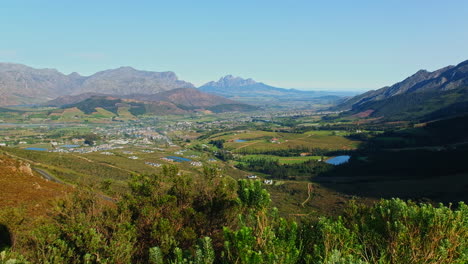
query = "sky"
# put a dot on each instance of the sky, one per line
(310, 45)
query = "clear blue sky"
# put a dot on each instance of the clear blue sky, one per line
(300, 44)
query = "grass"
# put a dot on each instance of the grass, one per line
(286, 160)
(295, 160)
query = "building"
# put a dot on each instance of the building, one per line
(269, 182)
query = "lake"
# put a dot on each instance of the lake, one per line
(338, 160)
(178, 159)
(240, 140)
(37, 149)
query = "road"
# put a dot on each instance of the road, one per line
(49, 177)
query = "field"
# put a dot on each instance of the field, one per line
(265, 140)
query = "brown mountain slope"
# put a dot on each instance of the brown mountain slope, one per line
(21, 187)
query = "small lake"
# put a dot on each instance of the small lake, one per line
(69, 146)
(338, 160)
(37, 149)
(240, 140)
(178, 159)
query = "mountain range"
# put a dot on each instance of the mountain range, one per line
(424, 95)
(24, 85)
(20, 84)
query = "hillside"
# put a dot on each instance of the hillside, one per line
(424, 95)
(71, 99)
(21, 187)
(191, 99)
(118, 107)
(424, 162)
(20, 84)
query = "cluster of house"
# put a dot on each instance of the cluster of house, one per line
(196, 163)
(254, 177)
(153, 164)
(132, 134)
(83, 150)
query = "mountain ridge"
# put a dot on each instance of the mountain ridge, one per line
(21, 84)
(417, 96)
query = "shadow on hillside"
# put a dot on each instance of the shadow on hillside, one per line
(406, 166)
(5, 237)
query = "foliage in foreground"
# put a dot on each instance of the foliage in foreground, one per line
(172, 218)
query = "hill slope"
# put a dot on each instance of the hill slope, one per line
(424, 95)
(22, 188)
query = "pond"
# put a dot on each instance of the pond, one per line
(338, 160)
(240, 140)
(178, 159)
(37, 149)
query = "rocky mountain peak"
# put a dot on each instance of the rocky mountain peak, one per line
(231, 81)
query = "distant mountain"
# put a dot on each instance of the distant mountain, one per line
(230, 86)
(20, 84)
(424, 95)
(257, 93)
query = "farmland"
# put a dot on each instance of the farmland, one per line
(258, 141)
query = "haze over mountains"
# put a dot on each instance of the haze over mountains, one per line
(424, 95)
(250, 91)
(236, 86)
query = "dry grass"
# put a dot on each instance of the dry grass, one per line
(22, 188)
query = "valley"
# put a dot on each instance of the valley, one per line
(150, 174)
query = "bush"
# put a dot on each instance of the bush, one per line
(174, 218)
